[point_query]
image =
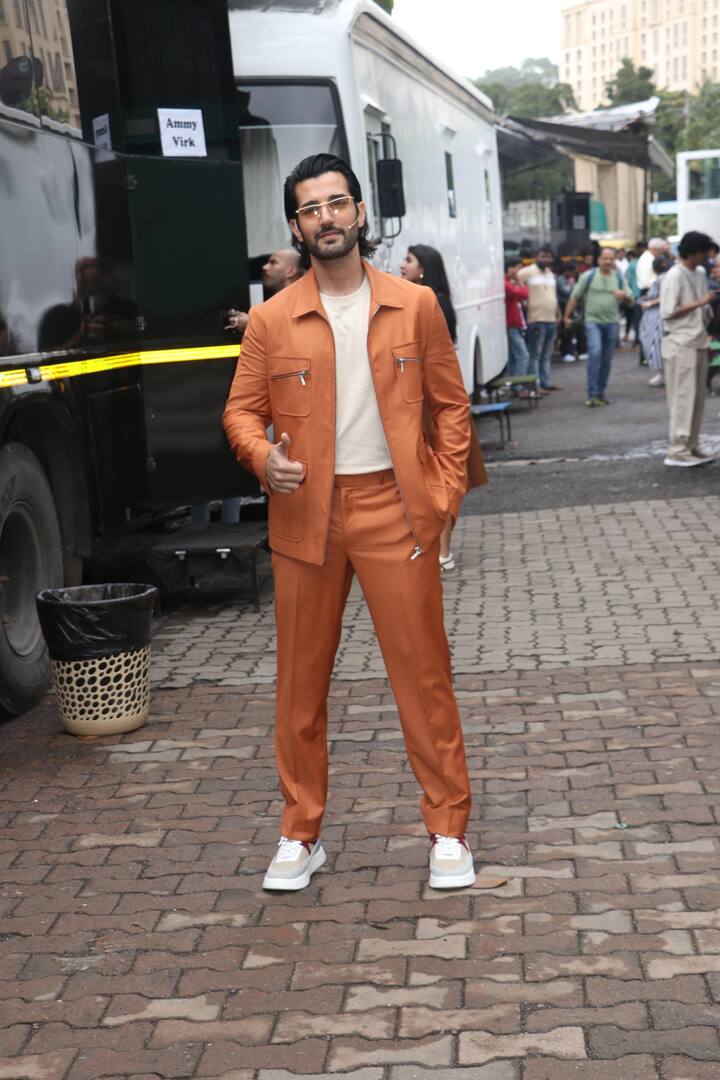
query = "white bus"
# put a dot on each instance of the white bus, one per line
(698, 192)
(340, 76)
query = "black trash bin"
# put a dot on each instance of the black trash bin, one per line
(98, 637)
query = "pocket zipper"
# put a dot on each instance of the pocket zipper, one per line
(403, 360)
(303, 376)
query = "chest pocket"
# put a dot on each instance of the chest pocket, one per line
(290, 385)
(409, 371)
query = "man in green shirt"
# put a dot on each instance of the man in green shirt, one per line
(603, 289)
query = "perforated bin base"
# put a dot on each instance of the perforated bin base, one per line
(106, 696)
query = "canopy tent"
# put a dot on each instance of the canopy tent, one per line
(619, 134)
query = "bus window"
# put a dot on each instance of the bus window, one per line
(703, 178)
(37, 69)
(280, 124)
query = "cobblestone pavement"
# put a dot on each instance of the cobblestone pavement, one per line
(634, 582)
(135, 938)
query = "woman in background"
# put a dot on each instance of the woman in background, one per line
(651, 324)
(424, 265)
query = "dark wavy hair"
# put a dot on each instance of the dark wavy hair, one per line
(433, 268)
(693, 243)
(308, 169)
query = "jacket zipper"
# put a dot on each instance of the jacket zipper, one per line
(303, 376)
(401, 361)
(417, 550)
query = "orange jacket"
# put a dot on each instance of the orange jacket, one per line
(286, 377)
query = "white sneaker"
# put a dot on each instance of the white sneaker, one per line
(657, 380)
(451, 862)
(569, 358)
(446, 561)
(684, 459)
(703, 455)
(294, 864)
(583, 356)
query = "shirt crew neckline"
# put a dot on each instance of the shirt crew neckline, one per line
(346, 297)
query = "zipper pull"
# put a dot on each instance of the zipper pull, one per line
(401, 362)
(417, 552)
(302, 375)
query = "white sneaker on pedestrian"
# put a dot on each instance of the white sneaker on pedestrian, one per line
(451, 862)
(446, 561)
(568, 358)
(657, 380)
(294, 864)
(683, 459)
(703, 455)
(583, 356)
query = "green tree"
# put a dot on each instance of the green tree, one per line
(535, 99)
(702, 131)
(668, 127)
(630, 84)
(386, 5)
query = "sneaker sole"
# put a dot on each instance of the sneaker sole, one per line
(675, 464)
(458, 881)
(281, 884)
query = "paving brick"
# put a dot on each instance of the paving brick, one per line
(352, 1054)
(695, 1042)
(36, 1066)
(477, 1047)
(636, 1067)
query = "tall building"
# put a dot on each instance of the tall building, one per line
(677, 39)
(41, 29)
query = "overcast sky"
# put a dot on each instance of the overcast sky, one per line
(473, 35)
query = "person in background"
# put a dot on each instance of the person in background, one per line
(423, 265)
(633, 313)
(516, 323)
(543, 315)
(621, 261)
(645, 273)
(282, 269)
(651, 327)
(572, 338)
(684, 301)
(603, 289)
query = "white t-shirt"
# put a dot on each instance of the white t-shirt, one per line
(360, 444)
(681, 286)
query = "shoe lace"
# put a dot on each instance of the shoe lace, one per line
(448, 847)
(289, 850)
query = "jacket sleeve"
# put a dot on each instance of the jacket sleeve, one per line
(515, 292)
(247, 410)
(448, 403)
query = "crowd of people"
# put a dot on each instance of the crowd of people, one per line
(666, 306)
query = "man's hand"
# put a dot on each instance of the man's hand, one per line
(567, 322)
(619, 294)
(236, 320)
(282, 474)
(708, 298)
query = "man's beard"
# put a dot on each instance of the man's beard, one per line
(337, 251)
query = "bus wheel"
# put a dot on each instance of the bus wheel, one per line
(30, 560)
(478, 381)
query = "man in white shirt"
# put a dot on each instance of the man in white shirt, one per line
(684, 297)
(645, 273)
(543, 316)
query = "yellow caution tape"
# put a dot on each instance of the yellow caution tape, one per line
(68, 369)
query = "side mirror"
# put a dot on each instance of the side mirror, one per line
(391, 193)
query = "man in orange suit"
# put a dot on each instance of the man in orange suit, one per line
(342, 364)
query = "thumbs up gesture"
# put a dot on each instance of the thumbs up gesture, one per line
(283, 475)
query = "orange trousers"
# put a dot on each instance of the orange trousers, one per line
(369, 536)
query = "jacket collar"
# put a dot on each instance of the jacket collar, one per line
(386, 291)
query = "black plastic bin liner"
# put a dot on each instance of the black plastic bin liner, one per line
(91, 621)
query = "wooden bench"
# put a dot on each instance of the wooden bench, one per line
(500, 410)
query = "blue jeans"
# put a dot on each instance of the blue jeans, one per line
(541, 339)
(519, 357)
(602, 339)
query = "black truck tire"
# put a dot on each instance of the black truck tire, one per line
(30, 560)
